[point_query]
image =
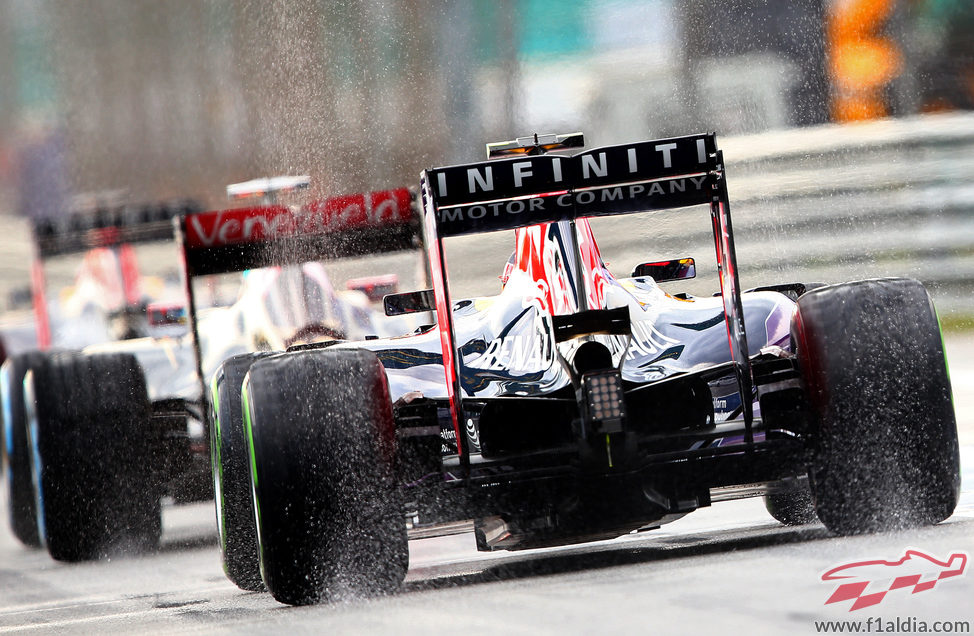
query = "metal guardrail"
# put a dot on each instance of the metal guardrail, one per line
(830, 203)
(888, 198)
(836, 203)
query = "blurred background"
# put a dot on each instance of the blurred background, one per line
(847, 124)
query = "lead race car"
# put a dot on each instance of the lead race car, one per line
(576, 405)
(97, 438)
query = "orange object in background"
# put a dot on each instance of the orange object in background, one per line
(862, 61)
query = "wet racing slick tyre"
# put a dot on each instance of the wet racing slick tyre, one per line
(91, 456)
(329, 512)
(20, 491)
(231, 474)
(886, 452)
(791, 503)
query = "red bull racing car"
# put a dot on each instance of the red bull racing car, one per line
(576, 405)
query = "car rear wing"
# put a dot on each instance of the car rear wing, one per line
(223, 241)
(266, 187)
(109, 226)
(234, 240)
(509, 193)
(102, 226)
(506, 194)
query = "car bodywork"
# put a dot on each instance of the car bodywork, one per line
(110, 293)
(280, 303)
(171, 361)
(284, 305)
(520, 444)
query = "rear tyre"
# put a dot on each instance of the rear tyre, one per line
(886, 453)
(329, 512)
(791, 503)
(231, 475)
(20, 491)
(92, 456)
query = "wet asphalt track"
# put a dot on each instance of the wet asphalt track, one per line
(729, 568)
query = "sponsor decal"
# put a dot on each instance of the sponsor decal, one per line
(867, 583)
(600, 166)
(249, 225)
(551, 207)
(473, 434)
(510, 193)
(529, 350)
(448, 437)
(526, 353)
(647, 341)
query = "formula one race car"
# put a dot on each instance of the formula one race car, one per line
(107, 306)
(96, 439)
(577, 406)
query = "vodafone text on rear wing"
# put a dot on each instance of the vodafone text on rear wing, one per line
(245, 238)
(509, 193)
